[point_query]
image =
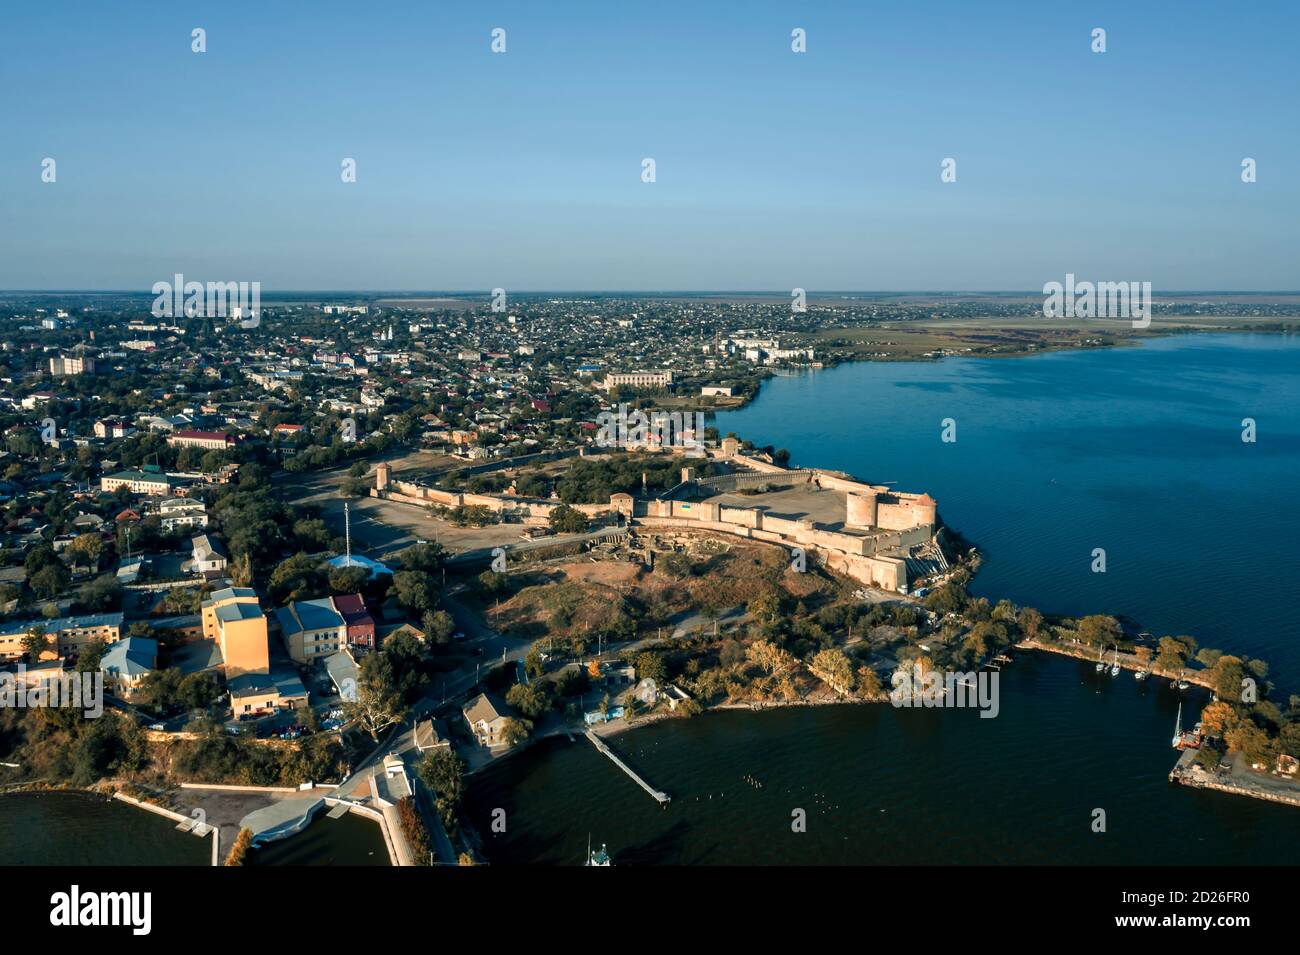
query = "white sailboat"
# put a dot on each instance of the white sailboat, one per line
(1101, 660)
(1178, 726)
(1114, 665)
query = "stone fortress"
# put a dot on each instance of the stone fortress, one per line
(879, 536)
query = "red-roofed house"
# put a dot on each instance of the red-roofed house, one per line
(361, 626)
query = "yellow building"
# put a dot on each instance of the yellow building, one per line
(234, 619)
(66, 634)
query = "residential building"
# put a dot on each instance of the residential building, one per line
(486, 717)
(127, 662)
(265, 692)
(67, 634)
(638, 379)
(311, 629)
(234, 619)
(360, 625)
(147, 480)
(209, 556)
(210, 440)
(65, 365)
(179, 512)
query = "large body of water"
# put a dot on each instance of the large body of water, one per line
(1137, 451)
(66, 828)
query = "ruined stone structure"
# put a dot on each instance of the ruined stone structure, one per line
(872, 536)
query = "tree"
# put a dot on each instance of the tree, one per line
(443, 772)
(348, 580)
(438, 626)
(1228, 674)
(515, 730)
(91, 654)
(379, 703)
(567, 520)
(1172, 654)
(1217, 718)
(1251, 742)
(1099, 630)
(1031, 623)
(85, 550)
(50, 580)
(415, 591)
(35, 643)
(650, 666)
(869, 685)
(835, 667)
(531, 699)
(768, 656)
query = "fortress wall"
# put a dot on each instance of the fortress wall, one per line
(833, 483)
(887, 573)
(834, 540)
(677, 523)
(781, 525)
(757, 465)
(745, 516)
(897, 517)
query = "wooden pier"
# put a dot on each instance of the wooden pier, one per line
(660, 797)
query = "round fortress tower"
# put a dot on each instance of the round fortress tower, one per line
(924, 510)
(860, 510)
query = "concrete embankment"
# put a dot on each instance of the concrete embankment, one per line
(1127, 661)
(1187, 772)
(195, 825)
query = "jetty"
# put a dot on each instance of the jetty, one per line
(659, 795)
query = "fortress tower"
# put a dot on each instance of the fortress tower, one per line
(924, 510)
(861, 510)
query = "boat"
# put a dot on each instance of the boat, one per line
(1182, 683)
(1178, 727)
(1141, 674)
(1101, 661)
(600, 858)
(1114, 665)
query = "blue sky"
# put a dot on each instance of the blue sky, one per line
(774, 169)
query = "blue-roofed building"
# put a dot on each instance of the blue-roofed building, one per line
(311, 629)
(374, 567)
(127, 662)
(66, 634)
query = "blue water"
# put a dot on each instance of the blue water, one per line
(1137, 451)
(1134, 450)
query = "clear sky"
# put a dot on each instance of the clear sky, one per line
(774, 170)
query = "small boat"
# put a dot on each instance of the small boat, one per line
(1114, 665)
(1178, 727)
(1182, 683)
(600, 858)
(1141, 674)
(1101, 661)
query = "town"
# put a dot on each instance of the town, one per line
(339, 558)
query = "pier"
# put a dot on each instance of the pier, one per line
(660, 797)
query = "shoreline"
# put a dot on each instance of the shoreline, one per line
(1017, 349)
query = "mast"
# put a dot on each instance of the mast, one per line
(347, 535)
(1178, 724)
